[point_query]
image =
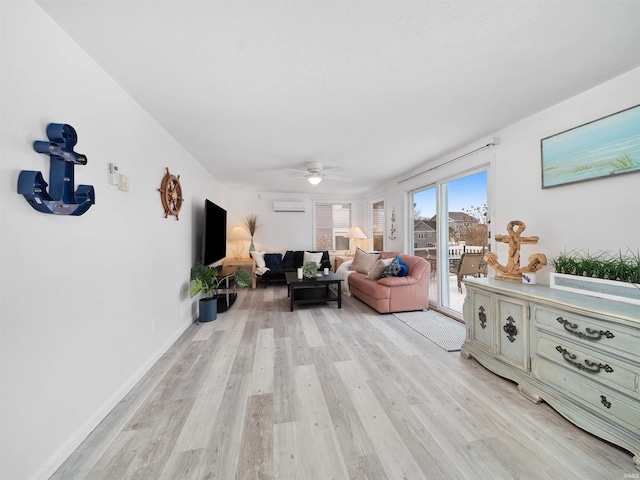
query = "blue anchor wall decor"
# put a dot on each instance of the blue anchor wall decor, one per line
(61, 199)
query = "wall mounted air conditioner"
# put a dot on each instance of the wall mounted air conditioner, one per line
(286, 206)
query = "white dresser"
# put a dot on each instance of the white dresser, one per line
(579, 354)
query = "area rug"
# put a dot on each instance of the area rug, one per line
(443, 331)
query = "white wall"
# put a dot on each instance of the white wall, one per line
(599, 215)
(284, 230)
(595, 215)
(87, 303)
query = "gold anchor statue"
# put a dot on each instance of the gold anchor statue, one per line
(513, 272)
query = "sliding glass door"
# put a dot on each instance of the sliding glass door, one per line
(425, 234)
(449, 221)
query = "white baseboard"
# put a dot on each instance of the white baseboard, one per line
(67, 448)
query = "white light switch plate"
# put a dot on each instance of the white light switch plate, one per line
(123, 183)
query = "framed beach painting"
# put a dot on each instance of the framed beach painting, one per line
(606, 147)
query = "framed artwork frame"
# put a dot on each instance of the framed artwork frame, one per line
(606, 147)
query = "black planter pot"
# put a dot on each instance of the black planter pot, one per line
(208, 309)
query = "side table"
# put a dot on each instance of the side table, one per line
(244, 264)
(338, 260)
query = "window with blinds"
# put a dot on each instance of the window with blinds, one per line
(332, 224)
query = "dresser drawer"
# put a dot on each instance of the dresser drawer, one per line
(589, 331)
(613, 407)
(593, 365)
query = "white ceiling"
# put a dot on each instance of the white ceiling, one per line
(375, 88)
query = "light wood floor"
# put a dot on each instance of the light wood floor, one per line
(322, 393)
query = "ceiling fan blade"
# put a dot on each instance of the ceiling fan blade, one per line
(338, 178)
(301, 172)
(286, 178)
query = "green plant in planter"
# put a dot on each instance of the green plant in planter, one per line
(310, 270)
(623, 268)
(208, 280)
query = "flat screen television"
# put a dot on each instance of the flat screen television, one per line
(214, 239)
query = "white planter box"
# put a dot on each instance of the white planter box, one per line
(597, 287)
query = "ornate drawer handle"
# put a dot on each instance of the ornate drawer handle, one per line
(510, 329)
(482, 317)
(604, 401)
(591, 334)
(589, 367)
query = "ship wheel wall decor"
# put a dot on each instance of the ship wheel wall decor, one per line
(171, 194)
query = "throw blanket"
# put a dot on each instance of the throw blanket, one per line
(344, 272)
(261, 270)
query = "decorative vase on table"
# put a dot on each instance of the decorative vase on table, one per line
(251, 222)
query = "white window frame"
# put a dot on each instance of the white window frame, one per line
(334, 232)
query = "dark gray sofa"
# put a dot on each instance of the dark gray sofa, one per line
(291, 261)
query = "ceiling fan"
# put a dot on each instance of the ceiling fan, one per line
(315, 173)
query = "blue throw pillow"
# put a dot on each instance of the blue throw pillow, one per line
(393, 269)
(404, 271)
(273, 261)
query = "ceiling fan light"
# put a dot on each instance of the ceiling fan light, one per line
(314, 178)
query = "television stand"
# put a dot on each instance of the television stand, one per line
(226, 301)
(228, 294)
(243, 263)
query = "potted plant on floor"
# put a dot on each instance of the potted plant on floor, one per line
(207, 280)
(602, 275)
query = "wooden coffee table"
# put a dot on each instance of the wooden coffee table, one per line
(313, 290)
